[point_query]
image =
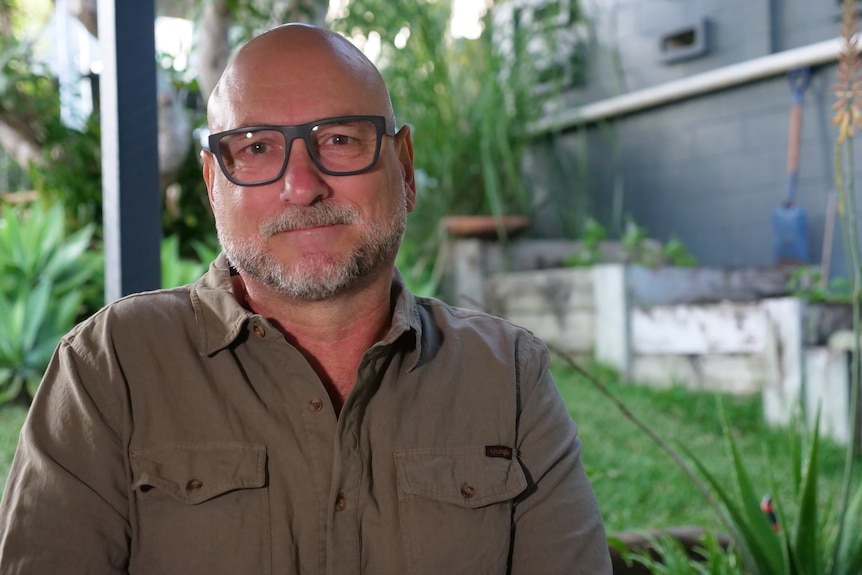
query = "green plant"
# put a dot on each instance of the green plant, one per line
(45, 277)
(806, 282)
(71, 173)
(590, 251)
(849, 96)
(637, 247)
(665, 555)
(636, 487)
(803, 539)
(178, 270)
(675, 253)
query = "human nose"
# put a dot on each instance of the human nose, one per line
(301, 182)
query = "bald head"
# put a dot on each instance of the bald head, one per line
(296, 70)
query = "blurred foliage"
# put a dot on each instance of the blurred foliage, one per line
(186, 211)
(636, 247)
(71, 173)
(665, 555)
(676, 254)
(30, 91)
(46, 276)
(468, 118)
(178, 270)
(69, 170)
(28, 16)
(590, 251)
(807, 283)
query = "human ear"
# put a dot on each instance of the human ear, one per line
(404, 148)
(207, 159)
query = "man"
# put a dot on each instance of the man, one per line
(297, 410)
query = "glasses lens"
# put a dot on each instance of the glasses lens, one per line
(345, 146)
(253, 156)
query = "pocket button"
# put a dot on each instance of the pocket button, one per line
(194, 485)
(468, 491)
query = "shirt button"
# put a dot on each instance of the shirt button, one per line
(258, 330)
(194, 485)
(340, 502)
(315, 405)
(468, 491)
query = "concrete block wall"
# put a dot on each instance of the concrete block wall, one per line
(557, 304)
(708, 170)
(740, 347)
(595, 312)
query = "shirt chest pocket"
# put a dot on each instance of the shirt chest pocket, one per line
(455, 509)
(200, 508)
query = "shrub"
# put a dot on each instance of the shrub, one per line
(45, 277)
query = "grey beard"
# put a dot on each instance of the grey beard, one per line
(317, 280)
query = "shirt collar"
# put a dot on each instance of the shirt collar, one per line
(219, 315)
(221, 318)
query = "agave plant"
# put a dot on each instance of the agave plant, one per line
(806, 533)
(45, 276)
(177, 270)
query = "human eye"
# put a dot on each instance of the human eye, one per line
(255, 144)
(345, 135)
(262, 143)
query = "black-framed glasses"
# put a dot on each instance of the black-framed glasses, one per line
(342, 146)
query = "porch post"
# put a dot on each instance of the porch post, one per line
(130, 165)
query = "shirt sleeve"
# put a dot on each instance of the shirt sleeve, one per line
(557, 522)
(65, 505)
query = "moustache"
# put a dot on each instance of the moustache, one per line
(316, 215)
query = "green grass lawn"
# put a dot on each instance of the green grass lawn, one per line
(640, 487)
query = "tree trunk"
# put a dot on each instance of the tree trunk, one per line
(213, 47)
(5, 18)
(86, 11)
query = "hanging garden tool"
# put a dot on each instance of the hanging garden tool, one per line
(789, 222)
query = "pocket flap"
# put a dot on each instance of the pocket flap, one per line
(463, 476)
(196, 472)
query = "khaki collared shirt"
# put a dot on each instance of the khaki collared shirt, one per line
(176, 432)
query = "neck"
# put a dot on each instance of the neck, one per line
(332, 334)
